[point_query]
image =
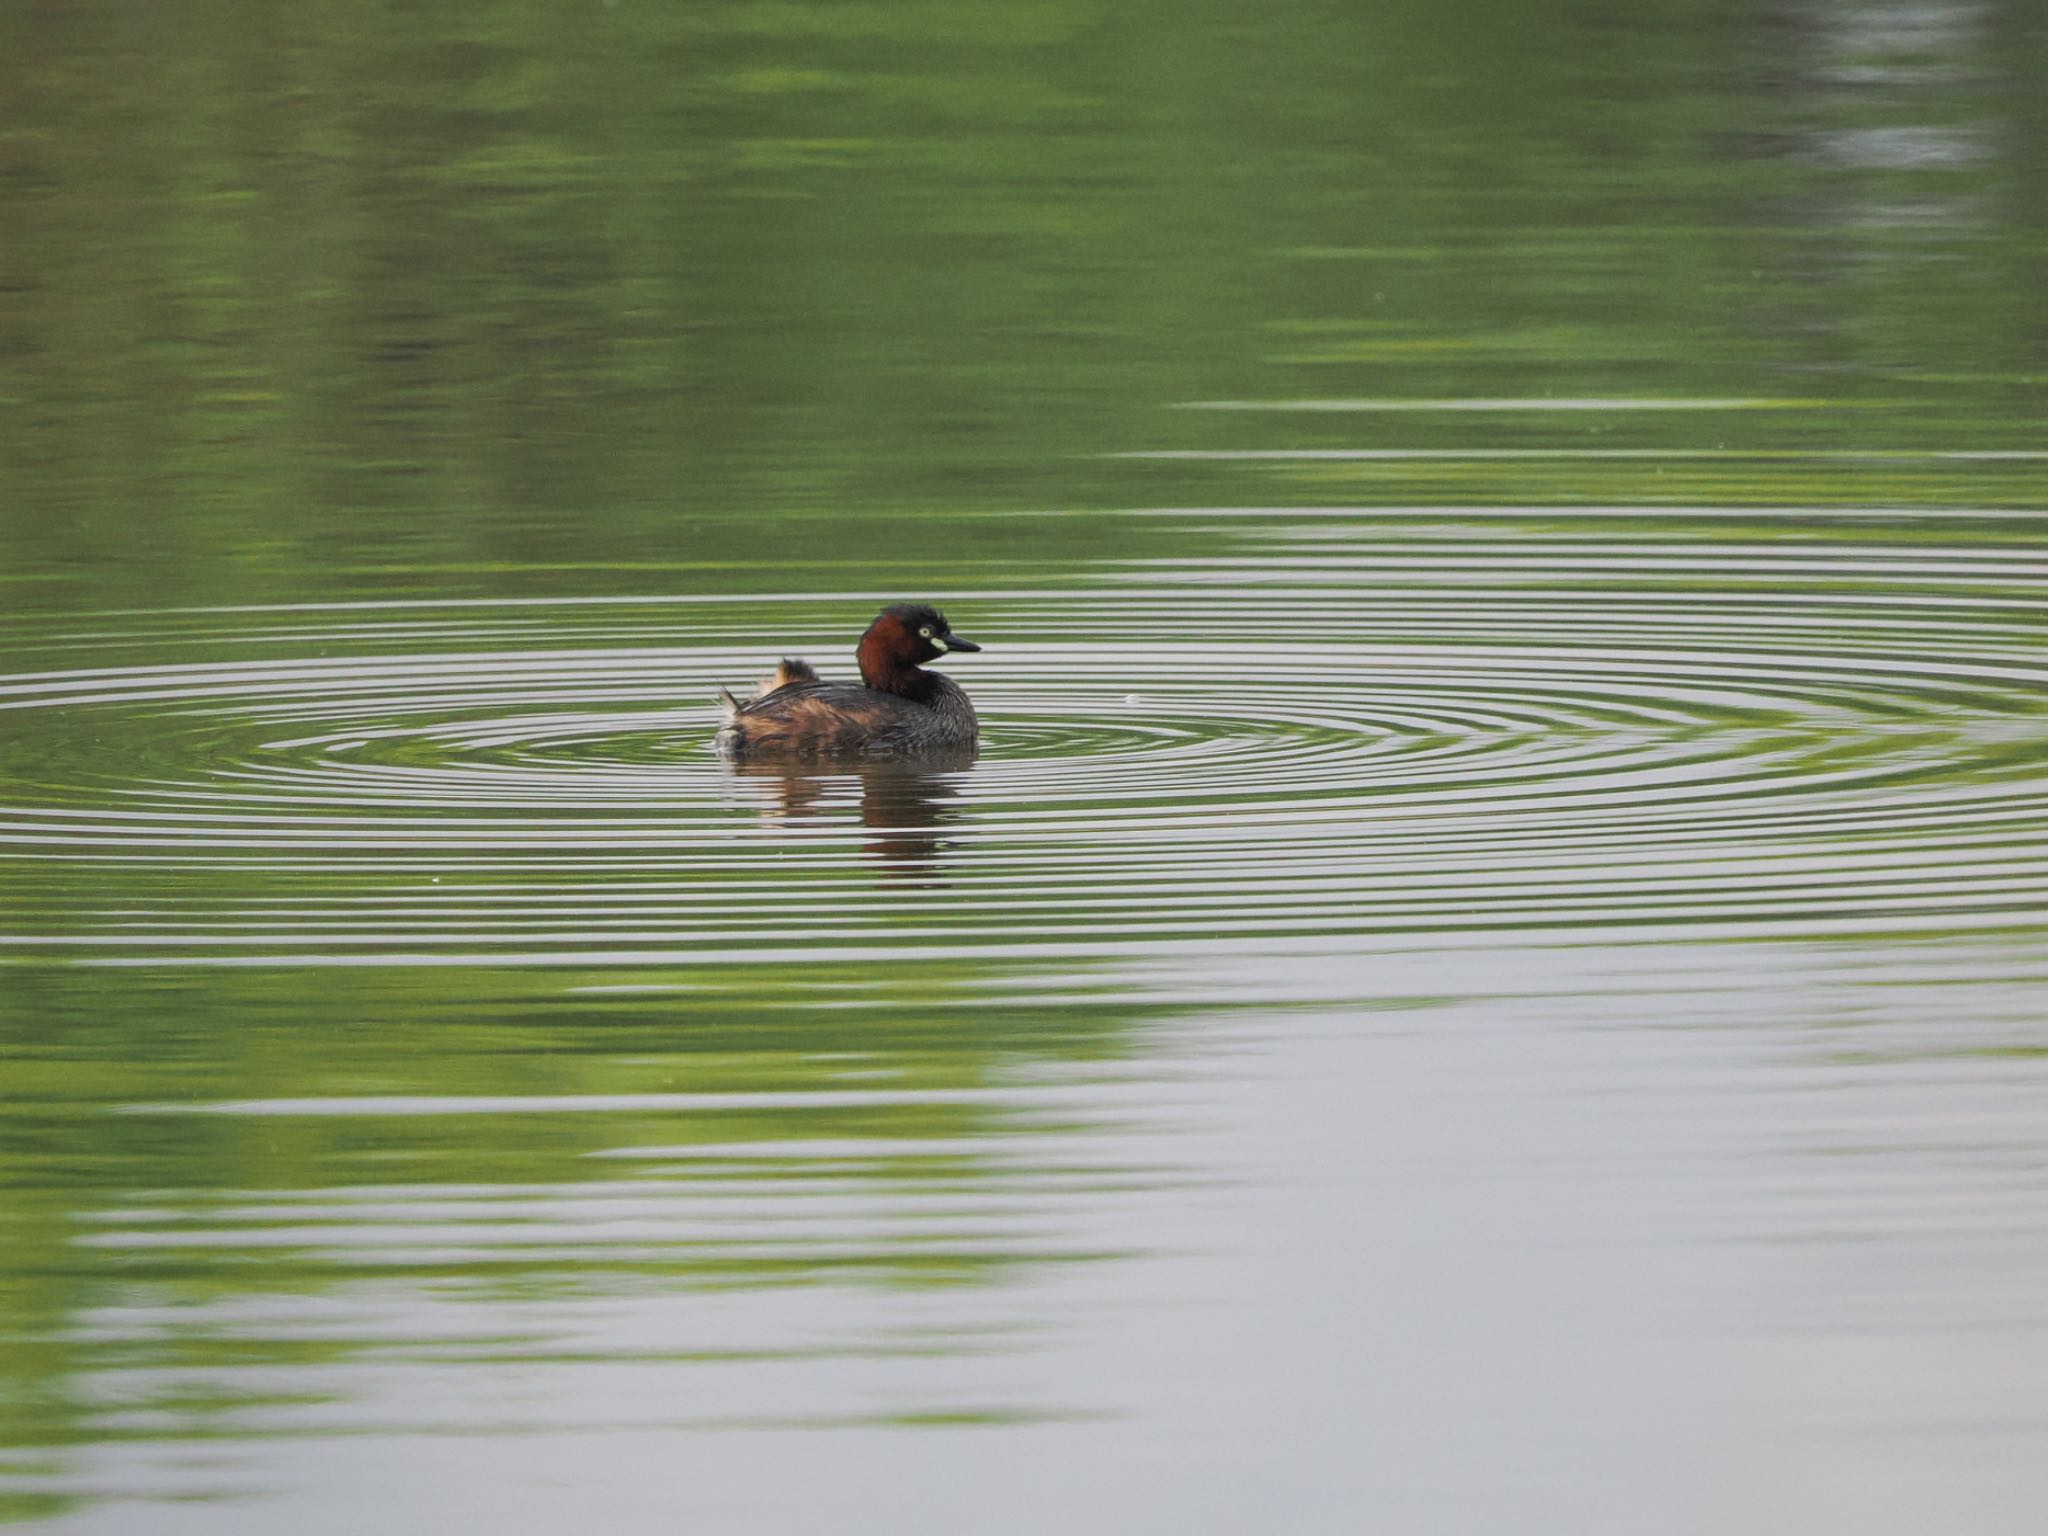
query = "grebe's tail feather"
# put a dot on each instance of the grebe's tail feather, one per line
(787, 671)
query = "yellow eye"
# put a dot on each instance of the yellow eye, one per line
(926, 631)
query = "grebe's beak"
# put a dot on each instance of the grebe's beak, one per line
(954, 643)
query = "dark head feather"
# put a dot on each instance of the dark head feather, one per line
(915, 616)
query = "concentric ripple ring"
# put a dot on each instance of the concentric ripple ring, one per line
(538, 780)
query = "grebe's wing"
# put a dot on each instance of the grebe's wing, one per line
(816, 719)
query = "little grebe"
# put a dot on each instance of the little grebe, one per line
(896, 708)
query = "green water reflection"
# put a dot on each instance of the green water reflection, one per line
(480, 1133)
(374, 298)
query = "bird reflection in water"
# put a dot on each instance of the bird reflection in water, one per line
(905, 805)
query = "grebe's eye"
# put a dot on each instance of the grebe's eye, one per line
(926, 631)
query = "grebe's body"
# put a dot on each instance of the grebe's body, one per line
(897, 708)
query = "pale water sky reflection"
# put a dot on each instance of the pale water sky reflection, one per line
(1646, 1228)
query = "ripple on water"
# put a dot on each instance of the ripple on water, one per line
(1777, 738)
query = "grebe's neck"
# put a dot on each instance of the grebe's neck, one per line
(883, 667)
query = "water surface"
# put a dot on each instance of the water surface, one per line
(1488, 975)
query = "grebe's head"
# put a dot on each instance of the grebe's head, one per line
(918, 632)
(903, 635)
